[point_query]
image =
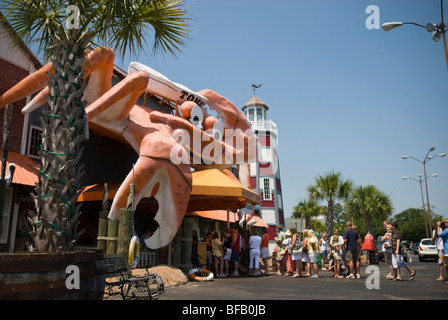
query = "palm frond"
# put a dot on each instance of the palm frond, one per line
(125, 25)
(35, 21)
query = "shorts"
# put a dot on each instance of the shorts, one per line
(305, 257)
(228, 254)
(324, 253)
(313, 257)
(235, 257)
(264, 253)
(296, 257)
(397, 261)
(440, 254)
(352, 255)
(336, 255)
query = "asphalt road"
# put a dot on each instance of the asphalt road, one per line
(371, 286)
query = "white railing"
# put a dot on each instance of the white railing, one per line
(263, 125)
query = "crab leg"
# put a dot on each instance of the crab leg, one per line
(98, 68)
(170, 185)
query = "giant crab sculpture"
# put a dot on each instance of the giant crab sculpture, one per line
(114, 112)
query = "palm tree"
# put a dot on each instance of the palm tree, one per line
(368, 202)
(65, 30)
(307, 208)
(330, 187)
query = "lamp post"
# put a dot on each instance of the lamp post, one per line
(423, 201)
(425, 160)
(438, 30)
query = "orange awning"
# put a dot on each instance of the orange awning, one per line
(23, 173)
(256, 221)
(95, 192)
(212, 190)
(216, 190)
(220, 215)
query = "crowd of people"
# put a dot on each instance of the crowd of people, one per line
(224, 253)
(340, 255)
(297, 253)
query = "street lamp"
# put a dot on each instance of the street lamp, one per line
(438, 30)
(423, 201)
(425, 160)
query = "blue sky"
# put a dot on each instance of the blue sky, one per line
(345, 98)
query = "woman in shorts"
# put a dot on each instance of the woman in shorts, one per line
(305, 256)
(296, 252)
(227, 243)
(324, 249)
(387, 249)
(264, 247)
(313, 248)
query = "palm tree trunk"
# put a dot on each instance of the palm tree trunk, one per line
(55, 222)
(330, 217)
(369, 224)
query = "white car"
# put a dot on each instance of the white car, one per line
(427, 249)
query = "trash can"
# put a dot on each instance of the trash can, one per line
(373, 257)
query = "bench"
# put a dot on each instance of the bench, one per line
(131, 286)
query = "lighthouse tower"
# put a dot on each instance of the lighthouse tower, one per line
(265, 174)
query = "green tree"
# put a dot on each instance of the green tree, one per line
(340, 217)
(317, 226)
(411, 223)
(307, 209)
(65, 30)
(369, 202)
(330, 187)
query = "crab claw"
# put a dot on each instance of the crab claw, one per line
(170, 185)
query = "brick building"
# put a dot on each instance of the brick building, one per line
(16, 62)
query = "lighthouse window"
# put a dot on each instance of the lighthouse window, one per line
(251, 115)
(259, 114)
(267, 189)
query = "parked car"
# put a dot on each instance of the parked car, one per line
(379, 249)
(406, 251)
(414, 248)
(427, 249)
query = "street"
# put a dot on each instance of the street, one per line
(371, 286)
